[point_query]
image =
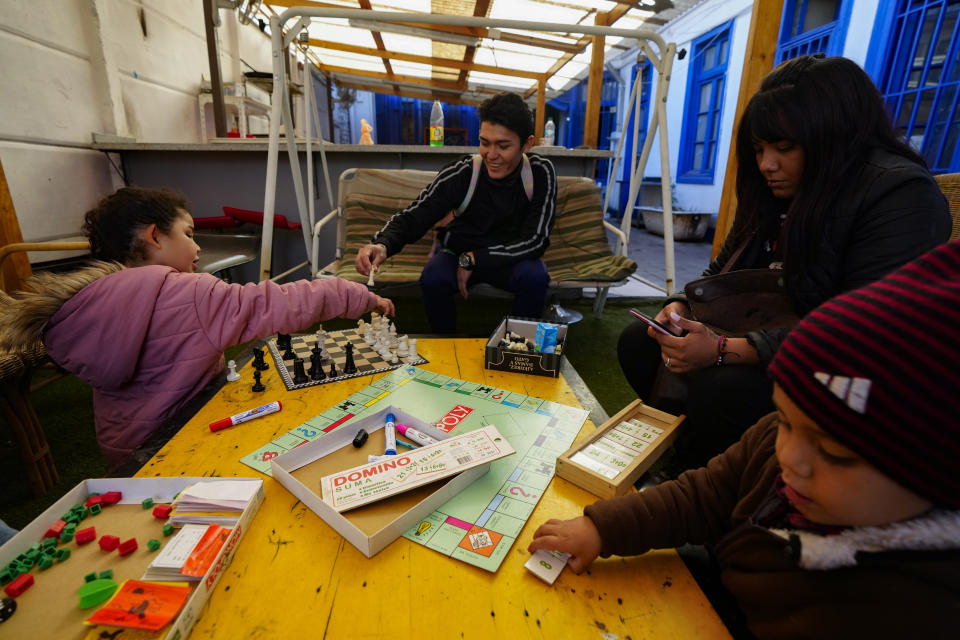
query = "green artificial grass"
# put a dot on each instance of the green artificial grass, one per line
(65, 407)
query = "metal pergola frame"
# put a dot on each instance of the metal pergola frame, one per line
(661, 58)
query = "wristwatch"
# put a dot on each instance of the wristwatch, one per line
(466, 261)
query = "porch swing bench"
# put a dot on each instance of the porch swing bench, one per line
(579, 255)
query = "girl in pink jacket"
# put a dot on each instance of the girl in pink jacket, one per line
(146, 331)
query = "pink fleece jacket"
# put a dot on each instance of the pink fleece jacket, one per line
(148, 339)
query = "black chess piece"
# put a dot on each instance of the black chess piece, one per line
(283, 340)
(333, 369)
(299, 375)
(349, 367)
(316, 368)
(289, 353)
(258, 362)
(257, 385)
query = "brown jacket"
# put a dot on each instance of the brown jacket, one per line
(900, 580)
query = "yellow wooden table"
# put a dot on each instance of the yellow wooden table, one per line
(293, 576)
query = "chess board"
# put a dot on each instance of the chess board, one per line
(366, 359)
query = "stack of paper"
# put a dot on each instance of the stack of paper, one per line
(189, 554)
(218, 501)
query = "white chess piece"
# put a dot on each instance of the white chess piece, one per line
(368, 335)
(412, 349)
(370, 279)
(395, 359)
(232, 375)
(402, 347)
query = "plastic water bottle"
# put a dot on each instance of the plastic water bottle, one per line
(436, 125)
(549, 132)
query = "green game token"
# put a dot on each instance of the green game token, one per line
(93, 593)
(49, 542)
(45, 563)
(153, 545)
(66, 536)
(90, 577)
(82, 512)
(106, 574)
(63, 554)
(167, 529)
(70, 528)
(147, 503)
(6, 577)
(95, 509)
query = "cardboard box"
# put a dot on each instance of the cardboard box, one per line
(608, 461)
(372, 527)
(49, 609)
(539, 364)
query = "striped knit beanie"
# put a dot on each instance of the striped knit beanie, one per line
(879, 369)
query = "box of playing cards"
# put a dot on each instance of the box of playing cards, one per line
(609, 460)
(522, 345)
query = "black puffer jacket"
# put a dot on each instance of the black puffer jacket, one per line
(893, 213)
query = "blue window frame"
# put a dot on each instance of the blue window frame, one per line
(813, 26)
(917, 68)
(706, 82)
(644, 77)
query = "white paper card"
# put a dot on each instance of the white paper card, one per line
(547, 565)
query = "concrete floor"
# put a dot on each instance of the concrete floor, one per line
(646, 249)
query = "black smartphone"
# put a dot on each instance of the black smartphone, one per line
(653, 323)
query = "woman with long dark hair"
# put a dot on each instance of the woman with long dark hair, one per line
(828, 193)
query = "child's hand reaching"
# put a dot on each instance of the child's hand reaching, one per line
(385, 307)
(578, 537)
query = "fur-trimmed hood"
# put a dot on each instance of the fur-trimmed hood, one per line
(935, 530)
(24, 314)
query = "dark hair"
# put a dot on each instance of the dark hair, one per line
(112, 225)
(508, 110)
(830, 108)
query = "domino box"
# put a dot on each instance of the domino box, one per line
(538, 364)
(611, 458)
(372, 527)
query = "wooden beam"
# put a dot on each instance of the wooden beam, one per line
(452, 86)
(541, 108)
(591, 119)
(431, 60)
(377, 38)
(757, 63)
(405, 92)
(16, 268)
(480, 9)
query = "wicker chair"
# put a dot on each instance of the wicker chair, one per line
(950, 185)
(16, 372)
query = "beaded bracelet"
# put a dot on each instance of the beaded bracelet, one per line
(721, 349)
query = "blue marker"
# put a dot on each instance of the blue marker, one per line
(390, 435)
(407, 444)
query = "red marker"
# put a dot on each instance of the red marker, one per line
(266, 409)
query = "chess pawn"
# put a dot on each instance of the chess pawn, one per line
(395, 359)
(257, 385)
(232, 375)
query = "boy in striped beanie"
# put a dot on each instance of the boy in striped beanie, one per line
(838, 515)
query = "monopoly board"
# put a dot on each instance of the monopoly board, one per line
(481, 523)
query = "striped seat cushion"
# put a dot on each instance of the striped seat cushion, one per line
(578, 251)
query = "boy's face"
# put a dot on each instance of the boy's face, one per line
(501, 149)
(830, 484)
(177, 248)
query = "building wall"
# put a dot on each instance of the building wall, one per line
(688, 27)
(72, 68)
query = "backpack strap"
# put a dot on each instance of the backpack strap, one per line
(526, 177)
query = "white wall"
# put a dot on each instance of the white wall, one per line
(683, 31)
(71, 68)
(688, 27)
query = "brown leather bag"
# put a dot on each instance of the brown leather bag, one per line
(733, 303)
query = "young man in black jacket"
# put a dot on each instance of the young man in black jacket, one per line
(493, 213)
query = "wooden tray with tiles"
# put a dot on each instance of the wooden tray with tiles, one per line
(658, 433)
